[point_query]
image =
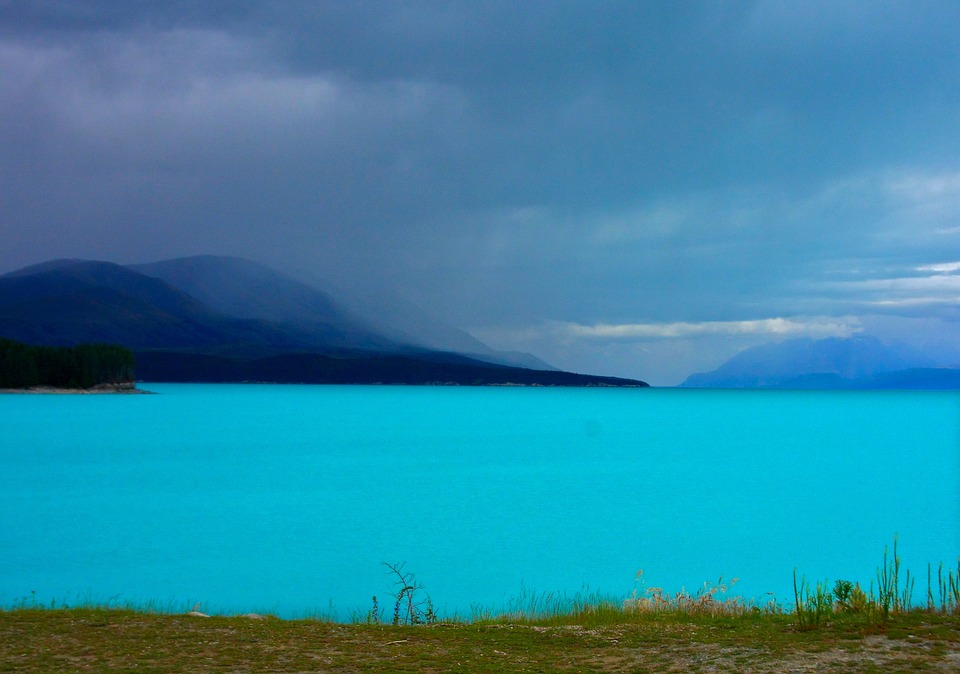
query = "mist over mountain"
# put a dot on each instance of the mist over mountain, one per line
(247, 290)
(860, 361)
(404, 321)
(215, 318)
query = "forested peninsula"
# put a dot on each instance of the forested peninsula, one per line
(25, 366)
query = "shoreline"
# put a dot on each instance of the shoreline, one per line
(126, 388)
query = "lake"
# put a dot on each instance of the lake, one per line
(289, 499)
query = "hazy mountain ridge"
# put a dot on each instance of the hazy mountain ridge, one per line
(242, 288)
(246, 289)
(856, 362)
(64, 302)
(405, 322)
(233, 316)
(67, 302)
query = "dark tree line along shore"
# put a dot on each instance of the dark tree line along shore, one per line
(82, 366)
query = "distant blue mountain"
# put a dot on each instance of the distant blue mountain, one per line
(834, 363)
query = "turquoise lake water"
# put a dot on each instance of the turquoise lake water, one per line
(288, 499)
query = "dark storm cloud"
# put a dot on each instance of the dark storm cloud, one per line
(541, 172)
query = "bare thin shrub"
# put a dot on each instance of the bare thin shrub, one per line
(412, 606)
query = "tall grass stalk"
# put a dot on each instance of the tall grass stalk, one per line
(814, 604)
(949, 588)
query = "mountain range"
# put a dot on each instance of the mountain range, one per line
(858, 362)
(212, 318)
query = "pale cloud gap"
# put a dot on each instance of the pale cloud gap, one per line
(913, 302)
(778, 327)
(913, 200)
(939, 286)
(926, 187)
(943, 268)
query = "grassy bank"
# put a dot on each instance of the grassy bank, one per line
(838, 626)
(98, 640)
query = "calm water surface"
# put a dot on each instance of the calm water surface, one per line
(288, 499)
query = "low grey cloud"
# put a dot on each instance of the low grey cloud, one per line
(508, 166)
(818, 327)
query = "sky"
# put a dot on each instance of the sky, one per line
(639, 189)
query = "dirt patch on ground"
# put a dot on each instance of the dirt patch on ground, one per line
(872, 654)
